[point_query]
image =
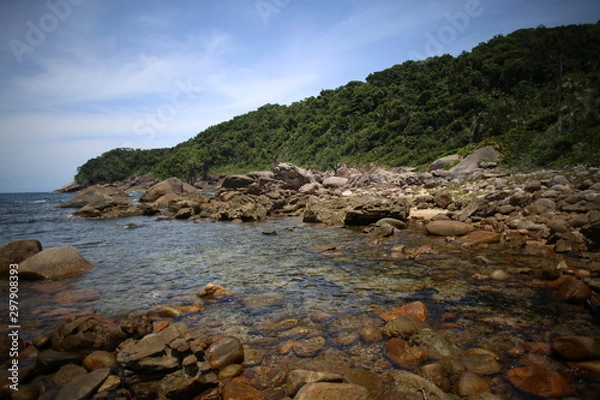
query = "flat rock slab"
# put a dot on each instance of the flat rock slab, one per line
(82, 387)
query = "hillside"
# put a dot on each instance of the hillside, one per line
(533, 94)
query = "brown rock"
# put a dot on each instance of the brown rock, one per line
(298, 378)
(240, 391)
(437, 374)
(443, 200)
(448, 228)
(404, 355)
(87, 333)
(589, 369)
(480, 237)
(332, 391)
(310, 347)
(539, 381)
(82, 387)
(54, 263)
(16, 252)
(214, 291)
(101, 359)
(577, 348)
(470, 384)
(171, 185)
(404, 326)
(225, 351)
(67, 373)
(574, 291)
(417, 308)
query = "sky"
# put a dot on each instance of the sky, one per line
(81, 77)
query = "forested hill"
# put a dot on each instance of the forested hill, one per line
(533, 94)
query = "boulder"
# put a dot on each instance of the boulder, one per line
(171, 185)
(405, 326)
(334, 182)
(448, 228)
(471, 162)
(369, 210)
(404, 355)
(16, 252)
(406, 385)
(298, 378)
(293, 177)
(213, 291)
(592, 232)
(225, 351)
(539, 381)
(95, 194)
(87, 334)
(574, 291)
(576, 348)
(54, 263)
(237, 182)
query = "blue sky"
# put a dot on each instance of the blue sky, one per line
(80, 77)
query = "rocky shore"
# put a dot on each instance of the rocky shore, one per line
(552, 215)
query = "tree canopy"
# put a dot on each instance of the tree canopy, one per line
(533, 94)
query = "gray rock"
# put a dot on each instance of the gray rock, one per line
(335, 182)
(471, 163)
(405, 326)
(435, 345)
(444, 162)
(171, 185)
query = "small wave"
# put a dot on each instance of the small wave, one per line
(39, 201)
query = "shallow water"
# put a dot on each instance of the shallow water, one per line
(280, 285)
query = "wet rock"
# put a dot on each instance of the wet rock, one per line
(51, 361)
(16, 252)
(298, 378)
(87, 334)
(437, 374)
(404, 326)
(231, 371)
(225, 351)
(54, 263)
(67, 373)
(416, 308)
(448, 228)
(401, 353)
(470, 384)
(179, 385)
(592, 232)
(101, 359)
(539, 381)
(240, 391)
(395, 223)
(434, 344)
(499, 275)
(332, 391)
(370, 334)
(310, 347)
(576, 348)
(480, 237)
(409, 386)
(574, 291)
(82, 387)
(590, 369)
(481, 364)
(214, 291)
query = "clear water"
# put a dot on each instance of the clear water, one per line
(276, 279)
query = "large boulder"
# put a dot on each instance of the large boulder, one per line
(355, 211)
(94, 194)
(86, 334)
(16, 252)
(109, 209)
(237, 182)
(54, 263)
(293, 177)
(171, 185)
(472, 161)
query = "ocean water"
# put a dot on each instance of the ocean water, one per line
(278, 282)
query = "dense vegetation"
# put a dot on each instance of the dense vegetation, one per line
(534, 94)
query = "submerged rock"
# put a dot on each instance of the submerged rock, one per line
(448, 228)
(539, 381)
